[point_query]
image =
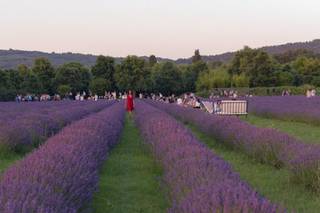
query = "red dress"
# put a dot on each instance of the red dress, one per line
(129, 103)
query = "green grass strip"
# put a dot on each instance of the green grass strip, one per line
(7, 160)
(130, 178)
(272, 183)
(305, 132)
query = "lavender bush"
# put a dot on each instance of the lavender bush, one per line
(265, 145)
(198, 180)
(23, 125)
(62, 175)
(292, 108)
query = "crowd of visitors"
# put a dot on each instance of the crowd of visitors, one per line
(187, 99)
(311, 93)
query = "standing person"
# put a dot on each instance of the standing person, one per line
(130, 106)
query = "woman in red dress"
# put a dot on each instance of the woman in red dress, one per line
(130, 102)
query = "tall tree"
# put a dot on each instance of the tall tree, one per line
(152, 60)
(216, 78)
(99, 86)
(105, 69)
(196, 57)
(191, 74)
(167, 78)
(131, 74)
(7, 91)
(257, 65)
(31, 84)
(75, 75)
(45, 72)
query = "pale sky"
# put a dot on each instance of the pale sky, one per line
(166, 28)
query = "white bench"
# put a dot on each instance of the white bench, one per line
(227, 107)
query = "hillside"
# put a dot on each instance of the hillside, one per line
(10, 59)
(313, 46)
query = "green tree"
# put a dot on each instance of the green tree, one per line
(152, 60)
(7, 92)
(15, 79)
(196, 57)
(216, 78)
(316, 81)
(4, 79)
(191, 73)
(100, 85)
(307, 68)
(75, 75)
(45, 72)
(105, 68)
(166, 78)
(284, 78)
(64, 90)
(257, 65)
(131, 74)
(240, 80)
(31, 84)
(23, 70)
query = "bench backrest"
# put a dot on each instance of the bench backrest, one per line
(230, 107)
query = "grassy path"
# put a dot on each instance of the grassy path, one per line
(272, 183)
(130, 178)
(303, 131)
(7, 160)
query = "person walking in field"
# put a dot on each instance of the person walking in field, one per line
(129, 104)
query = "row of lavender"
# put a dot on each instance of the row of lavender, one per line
(198, 180)
(293, 108)
(13, 110)
(62, 175)
(24, 125)
(265, 145)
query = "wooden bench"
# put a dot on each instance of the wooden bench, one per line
(227, 107)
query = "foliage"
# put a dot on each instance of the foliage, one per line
(45, 73)
(75, 75)
(105, 69)
(292, 55)
(257, 65)
(252, 68)
(240, 80)
(152, 60)
(131, 74)
(100, 85)
(216, 78)
(166, 78)
(191, 74)
(64, 90)
(31, 84)
(197, 57)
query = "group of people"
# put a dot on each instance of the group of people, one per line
(225, 94)
(311, 93)
(32, 97)
(189, 100)
(286, 93)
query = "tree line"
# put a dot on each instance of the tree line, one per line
(248, 68)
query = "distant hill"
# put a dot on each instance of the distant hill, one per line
(10, 59)
(313, 46)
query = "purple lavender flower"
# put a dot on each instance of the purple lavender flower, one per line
(263, 144)
(62, 175)
(198, 180)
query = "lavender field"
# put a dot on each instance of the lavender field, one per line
(291, 108)
(90, 156)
